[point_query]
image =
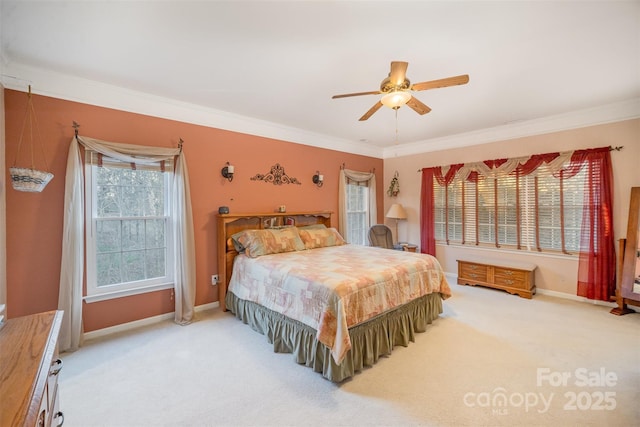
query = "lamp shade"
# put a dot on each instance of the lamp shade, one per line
(396, 211)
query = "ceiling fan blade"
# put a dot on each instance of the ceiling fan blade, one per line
(449, 81)
(398, 72)
(345, 95)
(418, 106)
(372, 110)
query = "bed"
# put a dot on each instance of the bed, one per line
(336, 307)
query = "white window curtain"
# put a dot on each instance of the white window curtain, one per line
(73, 240)
(357, 176)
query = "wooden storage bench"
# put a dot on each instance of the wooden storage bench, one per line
(513, 277)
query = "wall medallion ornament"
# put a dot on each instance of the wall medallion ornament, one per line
(277, 176)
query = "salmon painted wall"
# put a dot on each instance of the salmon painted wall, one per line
(34, 220)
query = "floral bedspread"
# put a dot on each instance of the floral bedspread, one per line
(334, 288)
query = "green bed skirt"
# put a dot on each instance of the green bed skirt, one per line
(369, 340)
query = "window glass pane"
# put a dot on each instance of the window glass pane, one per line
(574, 196)
(108, 201)
(486, 210)
(132, 177)
(132, 200)
(357, 229)
(528, 212)
(108, 176)
(507, 210)
(131, 220)
(155, 230)
(108, 238)
(133, 264)
(439, 211)
(455, 212)
(153, 201)
(550, 238)
(155, 263)
(357, 214)
(108, 268)
(470, 212)
(133, 234)
(549, 223)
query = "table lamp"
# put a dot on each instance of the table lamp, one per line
(397, 212)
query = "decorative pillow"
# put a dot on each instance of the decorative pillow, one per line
(270, 241)
(312, 227)
(321, 237)
(236, 243)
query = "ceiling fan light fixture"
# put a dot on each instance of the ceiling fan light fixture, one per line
(397, 90)
(395, 99)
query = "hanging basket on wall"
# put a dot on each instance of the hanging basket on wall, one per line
(394, 186)
(29, 178)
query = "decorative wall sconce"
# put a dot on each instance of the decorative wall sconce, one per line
(227, 171)
(318, 179)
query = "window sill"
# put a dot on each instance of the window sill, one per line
(126, 292)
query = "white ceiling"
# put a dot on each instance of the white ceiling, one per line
(279, 63)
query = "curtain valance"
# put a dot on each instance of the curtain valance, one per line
(445, 175)
(129, 153)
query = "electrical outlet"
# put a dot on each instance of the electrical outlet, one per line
(214, 279)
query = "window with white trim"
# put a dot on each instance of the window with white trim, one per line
(128, 227)
(357, 212)
(541, 212)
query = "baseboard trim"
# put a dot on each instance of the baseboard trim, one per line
(142, 322)
(453, 278)
(574, 297)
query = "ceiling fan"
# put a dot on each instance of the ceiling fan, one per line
(397, 90)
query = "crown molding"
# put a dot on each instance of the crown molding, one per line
(71, 88)
(610, 113)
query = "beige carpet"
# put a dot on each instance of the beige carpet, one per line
(537, 354)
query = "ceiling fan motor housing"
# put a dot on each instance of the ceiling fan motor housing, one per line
(387, 85)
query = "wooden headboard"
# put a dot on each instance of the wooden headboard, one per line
(229, 224)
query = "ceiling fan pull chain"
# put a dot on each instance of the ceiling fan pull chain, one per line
(397, 125)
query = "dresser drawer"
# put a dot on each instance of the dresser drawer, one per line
(56, 417)
(474, 272)
(515, 281)
(52, 380)
(501, 273)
